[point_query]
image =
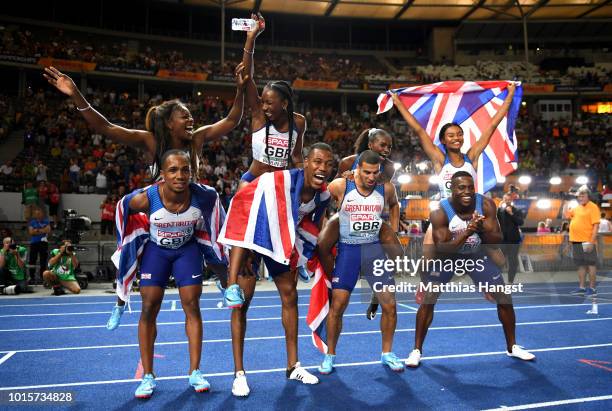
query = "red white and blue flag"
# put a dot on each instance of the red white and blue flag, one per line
(133, 234)
(264, 217)
(472, 105)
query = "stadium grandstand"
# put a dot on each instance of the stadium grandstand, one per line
(341, 58)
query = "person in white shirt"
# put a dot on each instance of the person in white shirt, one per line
(41, 171)
(605, 226)
(101, 182)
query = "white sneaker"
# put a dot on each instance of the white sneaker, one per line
(519, 352)
(240, 388)
(300, 374)
(414, 358)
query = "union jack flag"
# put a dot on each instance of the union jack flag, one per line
(264, 217)
(472, 105)
(133, 234)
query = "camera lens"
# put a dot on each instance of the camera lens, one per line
(13, 246)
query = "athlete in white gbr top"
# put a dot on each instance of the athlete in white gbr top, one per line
(446, 163)
(277, 132)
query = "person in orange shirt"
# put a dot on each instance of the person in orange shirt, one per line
(583, 236)
(90, 164)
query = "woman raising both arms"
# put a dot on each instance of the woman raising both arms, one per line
(168, 125)
(451, 160)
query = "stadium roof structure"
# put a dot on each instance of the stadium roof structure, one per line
(457, 10)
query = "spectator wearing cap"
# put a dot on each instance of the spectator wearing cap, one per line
(584, 224)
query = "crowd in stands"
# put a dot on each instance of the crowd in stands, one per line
(148, 57)
(582, 144)
(140, 56)
(598, 75)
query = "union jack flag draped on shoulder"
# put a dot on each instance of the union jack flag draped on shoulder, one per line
(472, 105)
(133, 234)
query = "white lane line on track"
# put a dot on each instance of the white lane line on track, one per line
(408, 306)
(401, 330)
(304, 294)
(551, 403)
(7, 356)
(132, 302)
(272, 370)
(440, 301)
(137, 311)
(456, 310)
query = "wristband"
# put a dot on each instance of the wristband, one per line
(248, 51)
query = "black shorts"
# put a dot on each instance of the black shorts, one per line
(582, 258)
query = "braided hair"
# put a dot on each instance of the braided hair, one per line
(284, 90)
(366, 137)
(156, 123)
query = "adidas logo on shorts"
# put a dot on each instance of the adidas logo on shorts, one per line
(335, 280)
(145, 276)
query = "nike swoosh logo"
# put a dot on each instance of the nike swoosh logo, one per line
(497, 277)
(157, 219)
(196, 276)
(350, 201)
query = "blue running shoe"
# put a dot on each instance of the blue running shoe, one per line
(578, 291)
(198, 382)
(234, 296)
(590, 292)
(390, 360)
(115, 318)
(146, 387)
(303, 274)
(327, 366)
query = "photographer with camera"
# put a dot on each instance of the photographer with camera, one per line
(61, 272)
(12, 264)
